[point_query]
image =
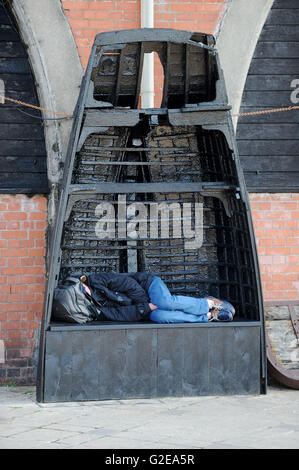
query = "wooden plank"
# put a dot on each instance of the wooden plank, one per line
(200, 118)
(11, 114)
(267, 147)
(272, 182)
(283, 32)
(4, 16)
(285, 4)
(85, 364)
(170, 362)
(196, 360)
(7, 33)
(111, 325)
(277, 50)
(140, 349)
(140, 61)
(12, 49)
(18, 82)
(247, 360)
(234, 360)
(58, 378)
(121, 188)
(24, 96)
(22, 147)
(269, 131)
(275, 67)
(187, 72)
(95, 119)
(278, 163)
(14, 183)
(222, 357)
(283, 16)
(269, 82)
(118, 76)
(267, 98)
(31, 132)
(19, 164)
(12, 65)
(111, 364)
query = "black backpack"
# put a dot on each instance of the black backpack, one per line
(71, 303)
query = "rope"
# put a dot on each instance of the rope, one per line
(67, 116)
(276, 110)
(3, 98)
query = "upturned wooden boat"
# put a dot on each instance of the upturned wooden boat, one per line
(180, 159)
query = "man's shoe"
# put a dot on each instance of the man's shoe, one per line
(221, 304)
(221, 315)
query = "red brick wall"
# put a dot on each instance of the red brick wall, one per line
(23, 223)
(276, 223)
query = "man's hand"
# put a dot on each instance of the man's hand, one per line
(152, 306)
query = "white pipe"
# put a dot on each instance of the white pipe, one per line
(147, 83)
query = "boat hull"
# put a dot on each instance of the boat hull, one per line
(158, 190)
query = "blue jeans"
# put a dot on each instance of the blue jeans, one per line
(175, 308)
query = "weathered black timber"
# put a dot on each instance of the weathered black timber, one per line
(151, 360)
(23, 167)
(269, 143)
(181, 153)
(279, 4)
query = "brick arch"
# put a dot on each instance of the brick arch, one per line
(236, 40)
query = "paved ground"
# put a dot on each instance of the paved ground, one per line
(216, 422)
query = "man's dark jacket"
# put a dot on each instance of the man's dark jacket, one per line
(123, 296)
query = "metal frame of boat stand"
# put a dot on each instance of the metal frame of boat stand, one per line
(288, 377)
(106, 360)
